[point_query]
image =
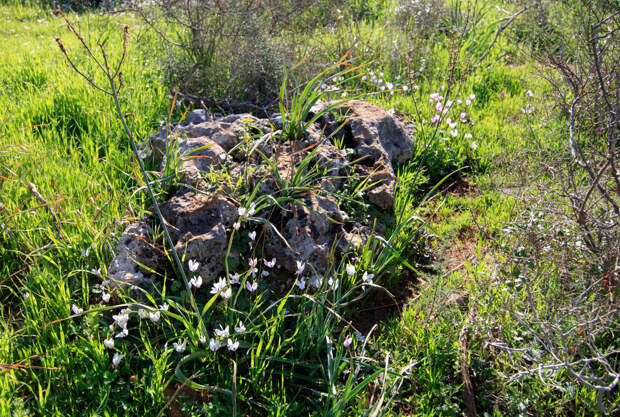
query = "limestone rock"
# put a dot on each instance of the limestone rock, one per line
(198, 225)
(313, 227)
(134, 248)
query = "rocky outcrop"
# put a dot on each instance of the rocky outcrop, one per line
(310, 226)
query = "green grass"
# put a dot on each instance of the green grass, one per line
(63, 137)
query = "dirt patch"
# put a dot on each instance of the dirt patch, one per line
(460, 249)
(178, 393)
(379, 306)
(460, 187)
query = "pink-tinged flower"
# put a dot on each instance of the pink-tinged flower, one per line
(502, 95)
(472, 96)
(436, 118)
(154, 316)
(350, 270)
(270, 264)
(218, 286)
(467, 102)
(234, 278)
(347, 342)
(367, 278)
(76, 309)
(439, 107)
(463, 115)
(251, 286)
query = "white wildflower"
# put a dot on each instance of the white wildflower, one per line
(193, 265)
(367, 278)
(333, 283)
(271, 263)
(196, 282)
(121, 320)
(240, 328)
(300, 267)
(122, 334)
(316, 281)
(347, 342)
(105, 297)
(142, 313)
(223, 333)
(109, 343)
(76, 309)
(251, 286)
(252, 235)
(233, 346)
(350, 270)
(214, 344)
(301, 283)
(218, 286)
(116, 359)
(180, 347)
(154, 316)
(234, 278)
(225, 294)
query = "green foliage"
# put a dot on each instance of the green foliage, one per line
(61, 136)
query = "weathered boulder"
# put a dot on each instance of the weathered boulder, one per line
(135, 248)
(198, 225)
(378, 139)
(313, 227)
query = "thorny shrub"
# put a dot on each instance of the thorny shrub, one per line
(565, 262)
(233, 50)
